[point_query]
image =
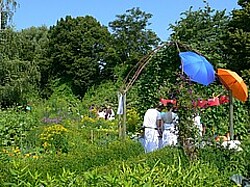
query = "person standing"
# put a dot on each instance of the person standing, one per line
(109, 114)
(152, 128)
(170, 130)
(198, 124)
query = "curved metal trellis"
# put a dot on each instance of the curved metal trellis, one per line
(128, 83)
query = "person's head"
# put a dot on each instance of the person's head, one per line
(159, 106)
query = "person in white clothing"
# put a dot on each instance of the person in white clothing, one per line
(170, 130)
(152, 128)
(198, 124)
(101, 113)
(109, 113)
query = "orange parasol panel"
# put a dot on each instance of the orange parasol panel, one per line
(232, 81)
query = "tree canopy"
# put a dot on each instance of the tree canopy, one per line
(133, 39)
(76, 50)
(7, 8)
(237, 40)
(203, 30)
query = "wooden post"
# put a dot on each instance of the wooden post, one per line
(119, 126)
(231, 115)
(119, 117)
(124, 117)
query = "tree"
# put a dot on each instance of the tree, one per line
(158, 77)
(237, 40)
(133, 39)
(206, 31)
(9, 44)
(33, 47)
(203, 30)
(237, 44)
(77, 47)
(7, 8)
(17, 80)
(32, 42)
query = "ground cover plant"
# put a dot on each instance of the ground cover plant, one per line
(86, 151)
(49, 78)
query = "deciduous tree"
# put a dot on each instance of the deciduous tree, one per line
(133, 38)
(77, 47)
(7, 8)
(203, 30)
(237, 41)
(18, 79)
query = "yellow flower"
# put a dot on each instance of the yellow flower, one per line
(87, 119)
(35, 156)
(27, 155)
(17, 150)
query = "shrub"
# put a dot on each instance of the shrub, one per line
(14, 127)
(133, 120)
(54, 139)
(144, 172)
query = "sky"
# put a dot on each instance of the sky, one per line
(46, 12)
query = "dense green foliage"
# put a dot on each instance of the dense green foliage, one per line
(49, 77)
(76, 50)
(7, 9)
(237, 39)
(132, 38)
(18, 80)
(203, 30)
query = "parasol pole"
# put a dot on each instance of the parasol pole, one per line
(231, 115)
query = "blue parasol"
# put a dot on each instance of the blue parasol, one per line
(197, 68)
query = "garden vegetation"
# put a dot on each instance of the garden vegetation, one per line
(49, 77)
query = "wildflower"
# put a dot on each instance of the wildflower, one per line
(35, 156)
(16, 150)
(27, 155)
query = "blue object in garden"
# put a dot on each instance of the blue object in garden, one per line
(197, 68)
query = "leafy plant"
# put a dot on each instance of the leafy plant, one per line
(133, 120)
(54, 138)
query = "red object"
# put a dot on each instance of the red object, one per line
(213, 102)
(224, 99)
(163, 101)
(202, 103)
(166, 101)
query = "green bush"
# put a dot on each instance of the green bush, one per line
(134, 122)
(54, 138)
(162, 168)
(85, 157)
(227, 161)
(15, 125)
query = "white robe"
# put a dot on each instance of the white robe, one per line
(170, 131)
(151, 140)
(151, 135)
